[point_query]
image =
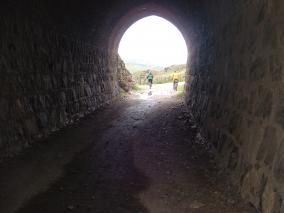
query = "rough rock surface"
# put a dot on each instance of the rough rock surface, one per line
(124, 77)
(47, 82)
(236, 93)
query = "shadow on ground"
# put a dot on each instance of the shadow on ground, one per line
(100, 182)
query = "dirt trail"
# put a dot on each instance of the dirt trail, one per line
(141, 154)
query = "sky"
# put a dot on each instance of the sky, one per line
(153, 41)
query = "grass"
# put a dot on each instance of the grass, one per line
(180, 90)
(122, 93)
(136, 87)
(180, 87)
(180, 94)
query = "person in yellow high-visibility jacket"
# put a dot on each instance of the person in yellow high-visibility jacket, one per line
(175, 80)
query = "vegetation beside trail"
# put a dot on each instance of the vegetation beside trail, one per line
(136, 87)
(122, 93)
(181, 89)
(160, 76)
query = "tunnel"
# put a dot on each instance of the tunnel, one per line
(59, 65)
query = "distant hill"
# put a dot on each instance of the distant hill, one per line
(132, 67)
(178, 68)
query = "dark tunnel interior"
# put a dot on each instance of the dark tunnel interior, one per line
(59, 63)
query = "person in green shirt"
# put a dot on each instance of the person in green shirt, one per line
(150, 78)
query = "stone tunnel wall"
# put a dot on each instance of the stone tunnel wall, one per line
(237, 95)
(48, 80)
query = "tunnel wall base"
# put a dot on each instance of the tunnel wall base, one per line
(236, 94)
(48, 80)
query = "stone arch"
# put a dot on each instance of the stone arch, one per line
(140, 12)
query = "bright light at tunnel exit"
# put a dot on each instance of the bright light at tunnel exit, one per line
(153, 41)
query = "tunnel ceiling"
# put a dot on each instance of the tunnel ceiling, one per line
(140, 12)
(97, 21)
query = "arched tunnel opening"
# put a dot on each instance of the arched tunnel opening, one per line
(154, 55)
(69, 143)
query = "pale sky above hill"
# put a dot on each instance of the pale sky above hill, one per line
(153, 40)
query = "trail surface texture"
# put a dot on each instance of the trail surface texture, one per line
(140, 154)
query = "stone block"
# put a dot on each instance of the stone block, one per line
(264, 103)
(4, 109)
(269, 199)
(253, 185)
(270, 36)
(260, 14)
(234, 122)
(43, 120)
(1, 142)
(243, 104)
(281, 36)
(62, 98)
(31, 126)
(278, 8)
(279, 115)
(233, 158)
(275, 68)
(268, 146)
(257, 69)
(278, 169)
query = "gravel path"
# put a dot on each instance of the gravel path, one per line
(141, 154)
